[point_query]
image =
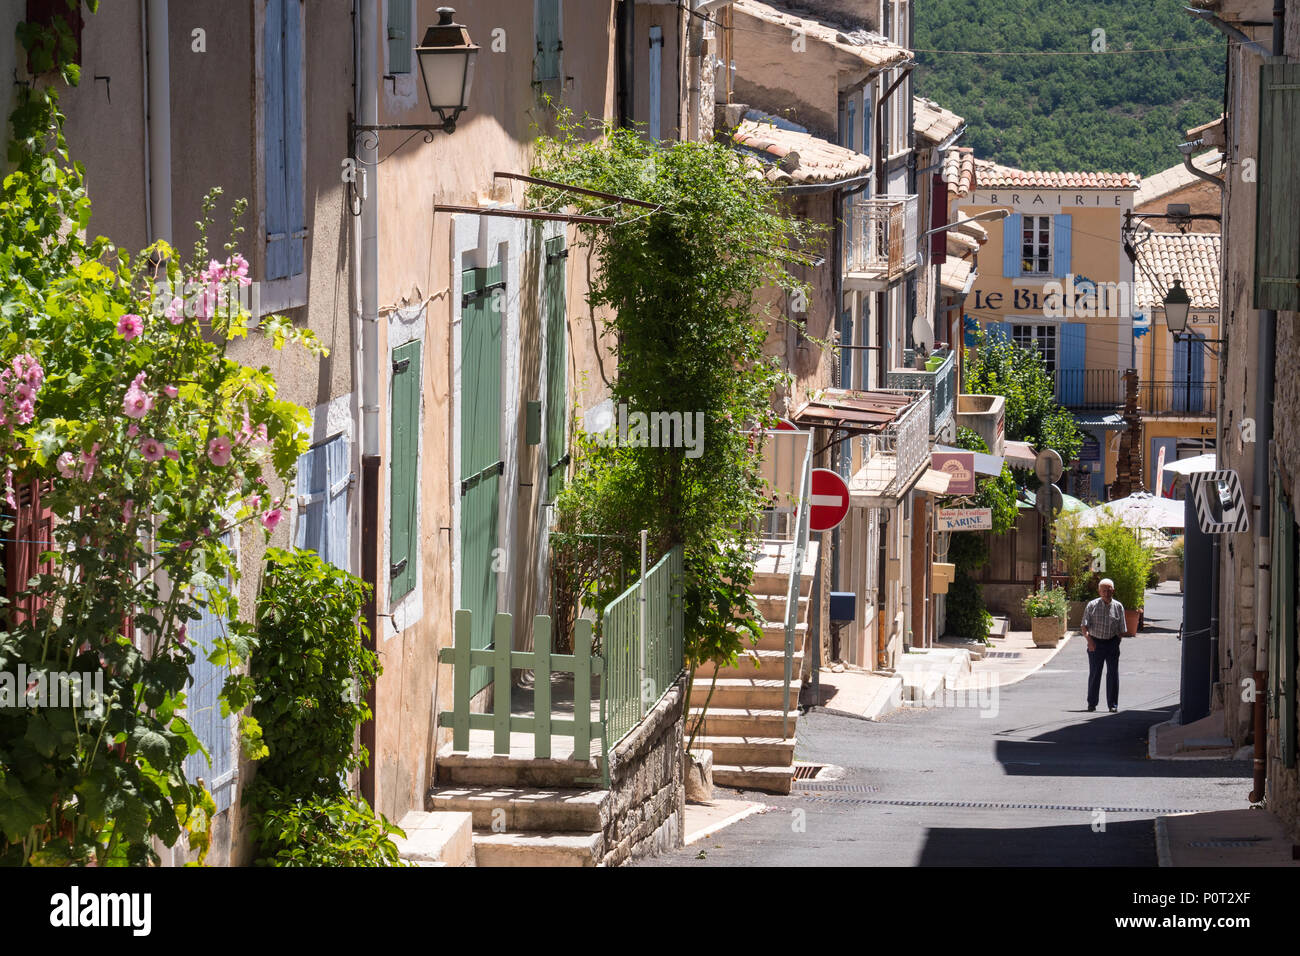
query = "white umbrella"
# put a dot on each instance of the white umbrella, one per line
(1138, 510)
(1191, 466)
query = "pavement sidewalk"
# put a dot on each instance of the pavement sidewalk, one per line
(705, 819)
(1250, 837)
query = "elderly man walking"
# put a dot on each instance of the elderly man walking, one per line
(1103, 626)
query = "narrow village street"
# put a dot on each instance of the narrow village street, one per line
(1030, 786)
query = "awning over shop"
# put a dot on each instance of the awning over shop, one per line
(852, 412)
(934, 482)
(1108, 421)
(1019, 454)
(985, 464)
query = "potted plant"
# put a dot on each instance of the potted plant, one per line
(1046, 610)
(1074, 551)
(1127, 562)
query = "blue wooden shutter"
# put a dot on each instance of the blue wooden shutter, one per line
(1012, 242)
(1277, 238)
(1070, 363)
(655, 86)
(203, 708)
(1061, 245)
(866, 124)
(404, 472)
(323, 481)
(1182, 350)
(286, 224)
(399, 36)
(1196, 373)
(277, 208)
(546, 65)
(998, 331)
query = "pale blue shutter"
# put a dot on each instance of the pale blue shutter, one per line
(1179, 388)
(294, 83)
(399, 36)
(1012, 240)
(277, 209)
(998, 331)
(866, 124)
(1196, 373)
(546, 66)
(1061, 245)
(323, 481)
(203, 708)
(1070, 363)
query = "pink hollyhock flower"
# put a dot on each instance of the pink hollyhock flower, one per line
(175, 310)
(128, 510)
(180, 633)
(10, 500)
(152, 449)
(171, 391)
(254, 502)
(219, 450)
(133, 430)
(272, 518)
(130, 326)
(65, 464)
(137, 402)
(89, 460)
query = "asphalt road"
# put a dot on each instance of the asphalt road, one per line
(1027, 779)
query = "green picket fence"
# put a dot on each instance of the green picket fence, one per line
(624, 695)
(630, 695)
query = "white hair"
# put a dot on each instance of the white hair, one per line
(1105, 581)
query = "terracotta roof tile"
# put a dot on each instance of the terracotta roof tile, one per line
(1191, 258)
(1175, 178)
(797, 157)
(959, 170)
(932, 122)
(993, 175)
(870, 49)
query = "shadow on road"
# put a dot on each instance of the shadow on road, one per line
(1130, 843)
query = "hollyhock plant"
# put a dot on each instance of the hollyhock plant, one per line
(272, 518)
(137, 403)
(130, 326)
(151, 449)
(219, 450)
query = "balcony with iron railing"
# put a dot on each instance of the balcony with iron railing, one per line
(939, 379)
(1103, 390)
(897, 455)
(880, 241)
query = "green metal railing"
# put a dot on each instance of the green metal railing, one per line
(635, 681)
(633, 674)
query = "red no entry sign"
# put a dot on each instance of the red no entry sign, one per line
(829, 502)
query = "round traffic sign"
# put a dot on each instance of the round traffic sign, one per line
(1047, 466)
(1048, 500)
(828, 502)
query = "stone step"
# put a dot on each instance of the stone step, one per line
(771, 664)
(436, 839)
(772, 606)
(773, 638)
(538, 849)
(999, 628)
(527, 809)
(763, 779)
(456, 768)
(757, 692)
(746, 721)
(749, 751)
(776, 582)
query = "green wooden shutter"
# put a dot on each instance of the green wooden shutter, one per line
(1282, 638)
(275, 158)
(546, 65)
(404, 462)
(557, 364)
(1277, 229)
(481, 464)
(399, 36)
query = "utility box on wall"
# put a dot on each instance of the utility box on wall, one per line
(844, 607)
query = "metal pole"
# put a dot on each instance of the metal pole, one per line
(641, 596)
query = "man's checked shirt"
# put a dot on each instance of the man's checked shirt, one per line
(1103, 621)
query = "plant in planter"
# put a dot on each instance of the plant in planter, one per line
(1046, 610)
(1128, 563)
(1074, 549)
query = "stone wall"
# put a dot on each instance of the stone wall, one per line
(647, 790)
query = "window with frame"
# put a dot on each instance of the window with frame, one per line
(550, 44)
(1041, 336)
(1036, 245)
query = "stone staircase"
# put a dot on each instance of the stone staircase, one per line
(743, 725)
(526, 812)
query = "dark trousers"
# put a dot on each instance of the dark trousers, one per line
(1107, 653)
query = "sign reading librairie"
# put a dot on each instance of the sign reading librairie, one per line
(963, 519)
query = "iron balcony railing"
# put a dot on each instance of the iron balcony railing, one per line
(880, 236)
(1102, 389)
(1095, 389)
(941, 383)
(1178, 398)
(903, 447)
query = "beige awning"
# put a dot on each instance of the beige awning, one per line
(934, 482)
(1019, 454)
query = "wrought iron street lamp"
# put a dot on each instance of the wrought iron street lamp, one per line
(1177, 305)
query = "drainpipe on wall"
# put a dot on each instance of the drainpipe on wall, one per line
(1263, 497)
(158, 125)
(371, 473)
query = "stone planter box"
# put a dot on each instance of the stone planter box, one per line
(1074, 617)
(1047, 631)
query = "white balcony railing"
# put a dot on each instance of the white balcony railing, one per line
(880, 238)
(898, 454)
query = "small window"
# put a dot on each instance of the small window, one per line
(1042, 337)
(1036, 245)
